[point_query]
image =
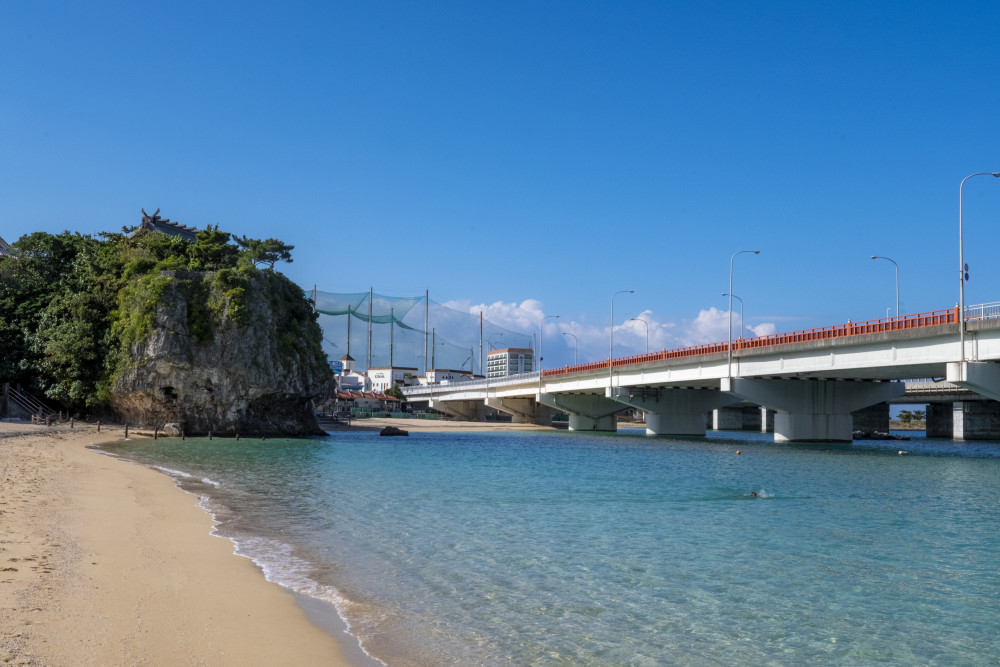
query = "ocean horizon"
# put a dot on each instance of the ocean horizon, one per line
(562, 548)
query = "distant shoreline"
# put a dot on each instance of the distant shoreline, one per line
(912, 426)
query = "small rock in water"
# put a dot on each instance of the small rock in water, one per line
(392, 430)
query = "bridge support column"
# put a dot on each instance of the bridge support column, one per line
(766, 420)
(976, 420)
(813, 410)
(939, 420)
(873, 419)
(470, 411)
(673, 411)
(587, 412)
(522, 410)
(738, 418)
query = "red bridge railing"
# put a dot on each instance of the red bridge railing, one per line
(899, 323)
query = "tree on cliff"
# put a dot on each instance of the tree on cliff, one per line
(268, 251)
(212, 250)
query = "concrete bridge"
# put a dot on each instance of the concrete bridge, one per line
(817, 382)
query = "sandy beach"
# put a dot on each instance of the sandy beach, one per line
(103, 562)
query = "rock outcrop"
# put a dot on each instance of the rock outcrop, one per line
(243, 361)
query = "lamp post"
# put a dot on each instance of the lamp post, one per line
(962, 273)
(611, 354)
(729, 367)
(639, 319)
(897, 278)
(575, 346)
(541, 328)
(742, 321)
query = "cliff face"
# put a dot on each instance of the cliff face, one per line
(244, 360)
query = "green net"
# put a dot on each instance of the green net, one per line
(404, 328)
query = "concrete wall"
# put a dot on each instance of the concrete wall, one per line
(976, 420)
(739, 418)
(939, 420)
(873, 419)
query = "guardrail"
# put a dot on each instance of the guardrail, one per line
(882, 325)
(898, 323)
(985, 311)
(425, 390)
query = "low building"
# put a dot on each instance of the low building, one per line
(445, 376)
(365, 401)
(509, 361)
(349, 379)
(383, 377)
(5, 249)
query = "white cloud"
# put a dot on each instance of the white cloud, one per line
(765, 329)
(592, 342)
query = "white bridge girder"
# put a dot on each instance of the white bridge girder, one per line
(978, 376)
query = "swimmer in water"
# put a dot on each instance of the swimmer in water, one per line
(753, 494)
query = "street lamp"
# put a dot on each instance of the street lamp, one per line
(962, 272)
(730, 342)
(743, 322)
(541, 328)
(639, 319)
(575, 347)
(897, 278)
(611, 354)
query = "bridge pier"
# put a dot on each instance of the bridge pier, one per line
(522, 410)
(587, 412)
(737, 418)
(939, 420)
(470, 411)
(766, 420)
(813, 410)
(673, 411)
(873, 419)
(964, 420)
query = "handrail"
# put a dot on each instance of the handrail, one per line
(897, 323)
(29, 403)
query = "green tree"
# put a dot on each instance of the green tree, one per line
(268, 251)
(212, 251)
(919, 415)
(905, 416)
(396, 393)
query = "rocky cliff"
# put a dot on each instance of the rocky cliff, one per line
(234, 355)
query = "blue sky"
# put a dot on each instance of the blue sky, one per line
(531, 158)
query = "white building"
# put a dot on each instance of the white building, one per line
(349, 379)
(383, 377)
(509, 361)
(445, 376)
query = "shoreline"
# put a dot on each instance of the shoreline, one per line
(105, 562)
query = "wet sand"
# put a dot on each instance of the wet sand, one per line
(104, 562)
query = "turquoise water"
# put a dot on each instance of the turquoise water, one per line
(555, 548)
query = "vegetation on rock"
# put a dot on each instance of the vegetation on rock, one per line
(73, 308)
